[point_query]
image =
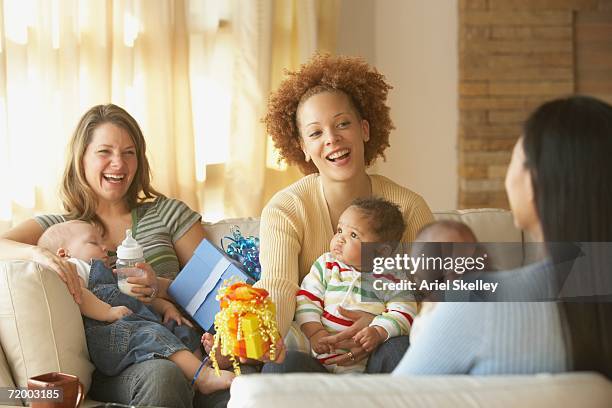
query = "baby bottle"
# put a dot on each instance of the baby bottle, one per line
(129, 253)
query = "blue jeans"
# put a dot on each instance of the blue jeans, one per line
(133, 339)
(157, 383)
(383, 359)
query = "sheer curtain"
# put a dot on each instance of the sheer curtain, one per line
(271, 36)
(59, 58)
(195, 74)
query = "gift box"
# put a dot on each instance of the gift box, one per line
(196, 286)
(248, 341)
(245, 326)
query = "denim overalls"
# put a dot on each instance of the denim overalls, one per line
(135, 338)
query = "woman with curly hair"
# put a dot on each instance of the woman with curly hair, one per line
(329, 118)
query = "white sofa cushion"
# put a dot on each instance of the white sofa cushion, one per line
(585, 390)
(40, 325)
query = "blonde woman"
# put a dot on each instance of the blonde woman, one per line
(107, 182)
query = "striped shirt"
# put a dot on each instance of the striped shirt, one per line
(156, 225)
(296, 229)
(331, 284)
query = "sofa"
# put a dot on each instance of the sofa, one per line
(41, 331)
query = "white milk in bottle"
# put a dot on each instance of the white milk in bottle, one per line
(129, 253)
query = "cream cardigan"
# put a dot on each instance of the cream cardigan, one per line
(296, 229)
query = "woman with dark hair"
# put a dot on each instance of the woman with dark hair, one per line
(567, 147)
(558, 184)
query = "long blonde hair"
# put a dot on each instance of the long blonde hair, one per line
(78, 198)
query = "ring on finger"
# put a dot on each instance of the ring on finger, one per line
(154, 293)
(351, 355)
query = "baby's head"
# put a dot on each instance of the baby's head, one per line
(366, 220)
(436, 241)
(446, 231)
(78, 239)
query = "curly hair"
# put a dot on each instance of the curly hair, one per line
(365, 87)
(386, 219)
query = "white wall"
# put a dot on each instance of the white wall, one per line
(415, 46)
(356, 31)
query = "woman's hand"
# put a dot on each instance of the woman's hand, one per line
(280, 354)
(208, 341)
(355, 354)
(224, 361)
(149, 287)
(65, 270)
(345, 340)
(360, 320)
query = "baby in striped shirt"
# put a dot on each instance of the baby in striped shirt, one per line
(335, 281)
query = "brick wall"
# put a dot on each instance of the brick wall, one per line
(514, 55)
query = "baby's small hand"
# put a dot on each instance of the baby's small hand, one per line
(317, 343)
(370, 337)
(117, 312)
(172, 313)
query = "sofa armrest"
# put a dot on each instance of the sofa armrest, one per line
(6, 380)
(41, 329)
(326, 390)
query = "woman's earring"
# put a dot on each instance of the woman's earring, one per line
(306, 157)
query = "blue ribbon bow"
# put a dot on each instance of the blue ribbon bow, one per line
(244, 250)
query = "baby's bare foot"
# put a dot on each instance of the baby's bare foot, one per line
(208, 382)
(117, 312)
(207, 341)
